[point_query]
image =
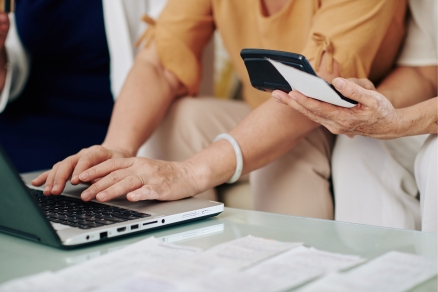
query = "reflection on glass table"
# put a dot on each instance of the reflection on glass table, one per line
(21, 257)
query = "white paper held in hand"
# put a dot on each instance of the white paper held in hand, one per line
(309, 85)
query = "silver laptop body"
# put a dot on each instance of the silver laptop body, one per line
(21, 214)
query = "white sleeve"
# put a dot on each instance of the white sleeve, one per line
(17, 66)
(421, 47)
(123, 27)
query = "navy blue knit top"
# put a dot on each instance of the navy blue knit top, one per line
(67, 102)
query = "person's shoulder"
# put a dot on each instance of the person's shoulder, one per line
(424, 14)
(421, 48)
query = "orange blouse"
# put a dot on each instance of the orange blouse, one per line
(363, 36)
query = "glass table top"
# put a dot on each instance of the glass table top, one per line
(19, 257)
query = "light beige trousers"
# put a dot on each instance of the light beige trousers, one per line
(297, 183)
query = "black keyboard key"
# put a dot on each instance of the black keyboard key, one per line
(47, 203)
(105, 222)
(90, 218)
(100, 210)
(124, 216)
(73, 220)
(121, 214)
(85, 215)
(133, 214)
(36, 193)
(105, 213)
(114, 219)
(84, 222)
(142, 215)
(73, 213)
(94, 224)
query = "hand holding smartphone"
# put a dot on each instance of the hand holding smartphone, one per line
(276, 70)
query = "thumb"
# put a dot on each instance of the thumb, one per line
(353, 91)
(363, 82)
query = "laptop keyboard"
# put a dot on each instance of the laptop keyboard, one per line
(84, 215)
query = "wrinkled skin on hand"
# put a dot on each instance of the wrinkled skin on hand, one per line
(374, 115)
(140, 178)
(56, 178)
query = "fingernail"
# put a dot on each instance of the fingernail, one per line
(85, 195)
(74, 178)
(83, 176)
(134, 196)
(46, 189)
(339, 83)
(101, 196)
(55, 187)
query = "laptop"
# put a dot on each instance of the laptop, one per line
(65, 221)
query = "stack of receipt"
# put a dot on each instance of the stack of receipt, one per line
(245, 264)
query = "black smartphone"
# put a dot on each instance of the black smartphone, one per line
(265, 77)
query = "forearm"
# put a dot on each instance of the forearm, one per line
(419, 119)
(267, 133)
(145, 97)
(406, 86)
(273, 129)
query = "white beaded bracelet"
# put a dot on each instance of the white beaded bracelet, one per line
(237, 151)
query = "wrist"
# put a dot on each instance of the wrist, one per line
(124, 150)
(387, 93)
(400, 126)
(238, 154)
(197, 176)
(213, 166)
